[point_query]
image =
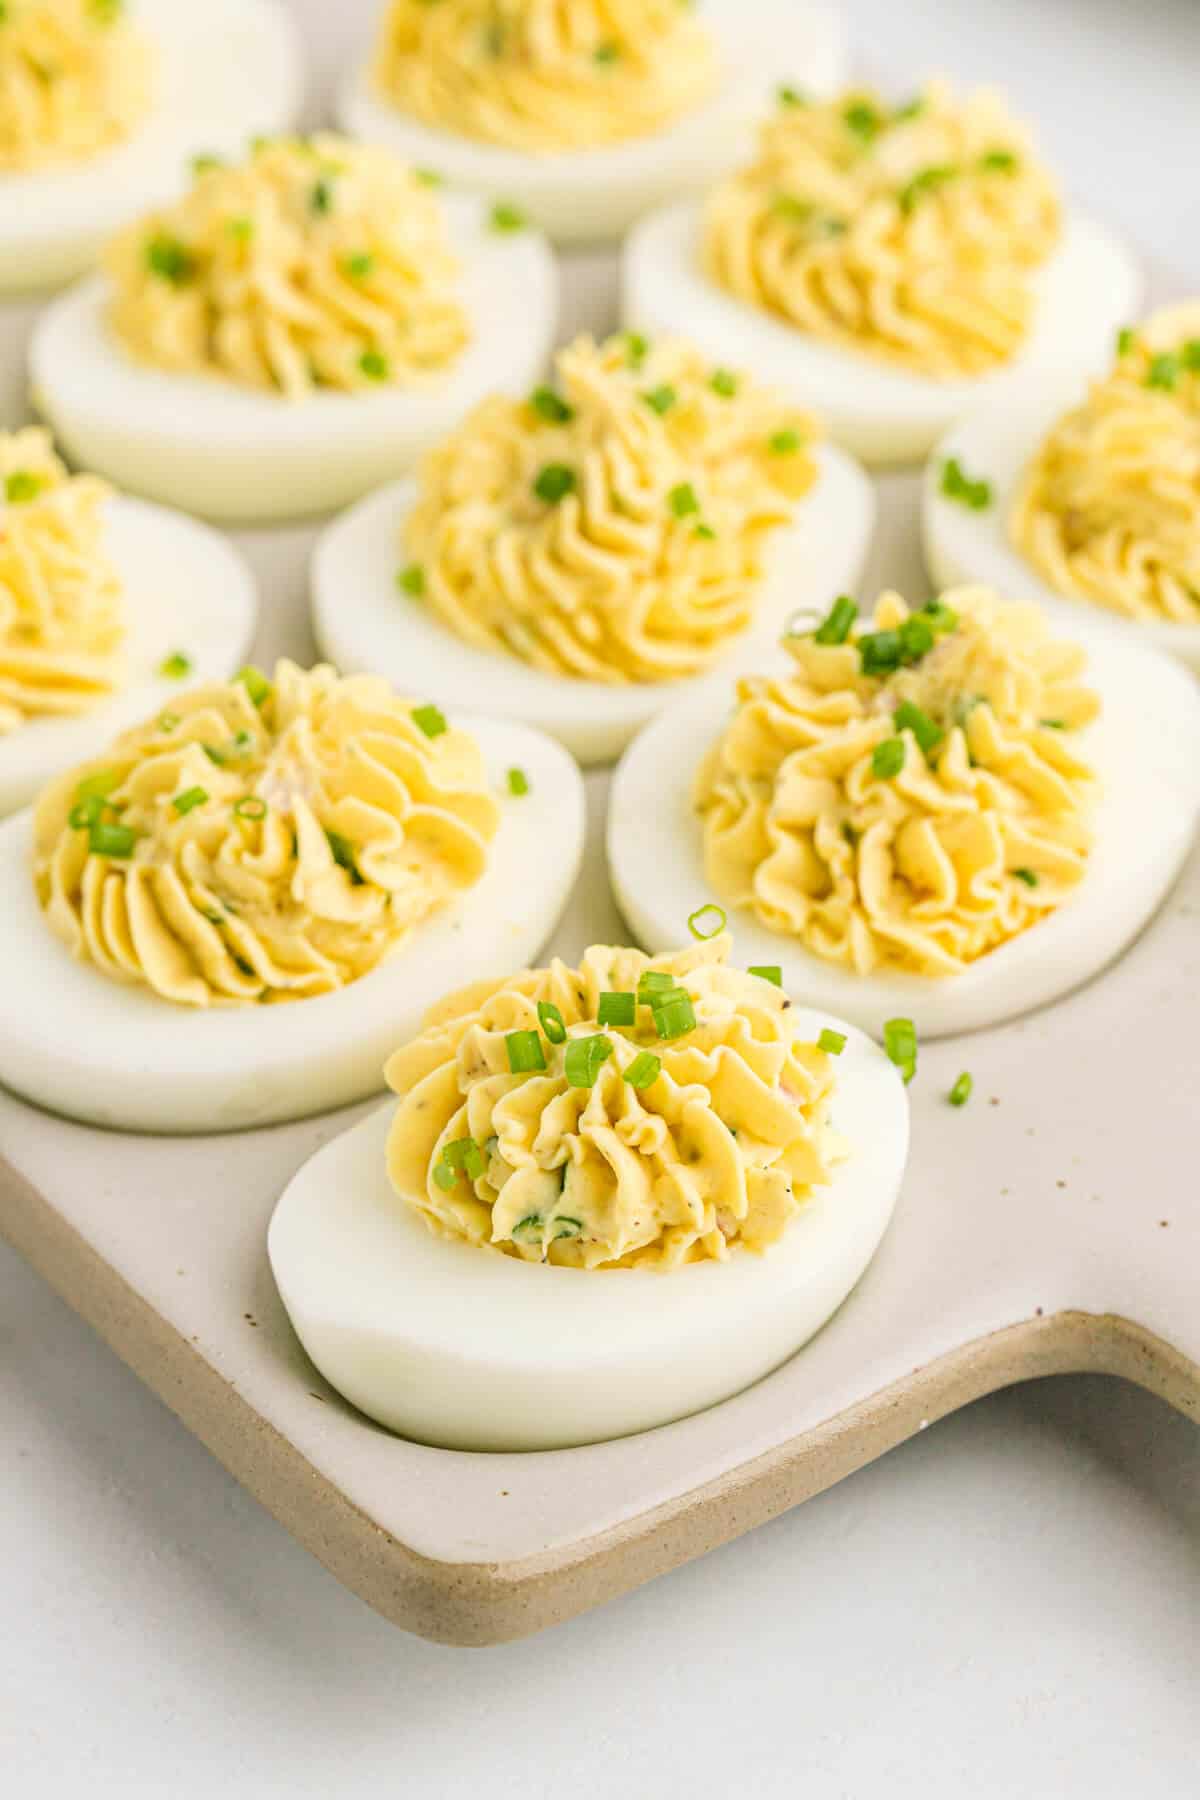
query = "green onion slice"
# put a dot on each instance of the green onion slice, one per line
(529, 1230)
(835, 626)
(960, 1093)
(585, 1058)
(683, 500)
(255, 683)
(506, 217)
(431, 720)
(617, 1009)
(250, 806)
(175, 666)
(887, 758)
(653, 984)
(518, 783)
(189, 800)
(674, 1015)
(411, 580)
(927, 731)
(707, 922)
(660, 399)
(554, 483)
(552, 1022)
(832, 1042)
(643, 1071)
(107, 839)
(465, 1154)
(767, 972)
(1028, 876)
(551, 406)
(900, 1043)
(525, 1053)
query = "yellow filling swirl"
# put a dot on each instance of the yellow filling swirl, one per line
(62, 623)
(546, 75)
(1109, 508)
(908, 797)
(264, 841)
(75, 79)
(676, 1150)
(909, 234)
(611, 528)
(318, 263)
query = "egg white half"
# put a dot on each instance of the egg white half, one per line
(227, 71)
(585, 196)
(236, 453)
(884, 414)
(995, 444)
(362, 621)
(76, 1042)
(470, 1349)
(186, 589)
(1145, 748)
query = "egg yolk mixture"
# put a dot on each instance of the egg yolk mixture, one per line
(1109, 508)
(264, 840)
(628, 1113)
(62, 623)
(610, 527)
(908, 796)
(546, 75)
(75, 79)
(318, 263)
(908, 233)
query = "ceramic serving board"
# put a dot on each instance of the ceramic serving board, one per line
(1051, 1225)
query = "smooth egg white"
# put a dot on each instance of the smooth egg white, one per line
(882, 413)
(227, 71)
(236, 453)
(362, 621)
(1145, 748)
(77, 1042)
(465, 1347)
(185, 589)
(994, 444)
(585, 196)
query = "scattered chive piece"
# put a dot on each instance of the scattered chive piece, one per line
(321, 198)
(887, 758)
(342, 852)
(900, 1043)
(529, 1230)
(411, 580)
(554, 483)
(1028, 876)
(1163, 371)
(444, 1176)
(832, 1042)
(85, 813)
(465, 1154)
(916, 638)
(525, 1053)
(108, 839)
(683, 500)
(999, 161)
(660, 399)
(431, 719)
(255, 683)
(784, 443)
(552, 1022)
(674, 1015)
(98, 786)
(617, 1009)
(927, 731)
(518, 783)
(862, 119)
(551, 406)
(175, 666)
(791, 206)
(644, 1070)
(958, 485)
(585, 1058)
(242, 229)
(168, 721)
(767, 972)
(704, 531)
(506, 217)
(606, 53)
(960, 1093)
(924, 182)
(22, 486)
(170, 260)
(359, 266)
(374, 365)
(700, 921)
(724, 382)
(568, 1228)
(215, 755)
(653, 985)
(250, 806)
(205, 162)
(835, 626)
(637, 349)
(790, 96)
(1053, 724)
(1126, 339)
(1189, 356)
(189, 800)
(942, 618)
(880, 652)
(910, 110)
(427, 177)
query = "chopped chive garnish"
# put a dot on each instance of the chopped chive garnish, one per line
(660, 399)
(22, 486)
(942, 618)
(518, 783)
(554, 483)
(506, 217)
(108, 839)
(170, 260)
(567, 1228)
(887, 758)
(176, 666)
(723, 382)
(255, 683)
(644, 1070)
(924, 182)
(189, 800)
(552, 1022)
(359, 265)
(1189, 356)
(832, 1042)
(250, 806)
(683, 500)
(411, 580)
(525, 1053)
(617, 1009)
(791, 206)
(999, 161)
(1163, 371)
(428, 177)
(767, 972)
(1028, 876)
(205, 162)
(911, 109)
(1053, 724)
(374, 365)
(927, 731)
(960, 1093)
(958, 485)
(835, 626)
(551, 406)
(444, 1176)
(784, 443)
(84, 813)
(342, 852)
(431, 720)
(585, 1058)
(606, 53)
(242, 229)
(168, 721)
(637, 349)
(674, 1015)
(321, 198)
(465, 1154)
(900, 1043)
(1126, 339)
(98, 786)
(529, 1230)
(790, 96)
(862, 119)
(916, 638)
(708, 921)
(653, 985)
(704, 531)
(880, 652)
(215, 754)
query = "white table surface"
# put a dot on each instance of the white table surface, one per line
(1007, 1606)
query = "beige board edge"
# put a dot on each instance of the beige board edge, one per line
(479, 1604)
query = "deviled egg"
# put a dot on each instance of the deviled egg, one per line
(226, 919)
(106, 606)
(104, 101)
(886, 265)
(298, 328)
(577, 554)
(1084, 497)
(607, 1197)
(581, 113)
(950, 816)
